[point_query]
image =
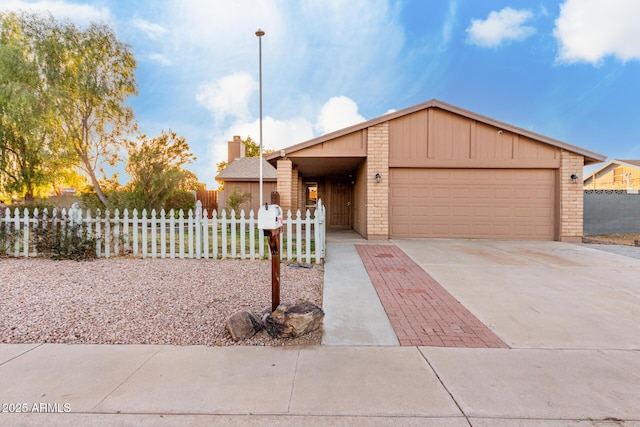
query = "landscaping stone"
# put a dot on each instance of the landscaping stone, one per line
(243, 325)
(293, 320)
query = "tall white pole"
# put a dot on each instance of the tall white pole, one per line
(260, 33)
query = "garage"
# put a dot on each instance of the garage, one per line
(472, 203)
(437, 170)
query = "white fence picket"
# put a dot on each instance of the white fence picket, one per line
(139, 234)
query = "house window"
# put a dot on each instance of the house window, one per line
(311, 194)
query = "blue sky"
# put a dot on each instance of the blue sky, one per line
(566, 69)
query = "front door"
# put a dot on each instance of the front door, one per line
(339, 206)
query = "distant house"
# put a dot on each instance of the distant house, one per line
(242, 175)
(615, 175)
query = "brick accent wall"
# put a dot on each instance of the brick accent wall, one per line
(285, 174)
(571, 197)
(378, 193)
(295, 190)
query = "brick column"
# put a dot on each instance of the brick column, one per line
(294, 192)
(284, 183)
(378, 193)
(571, 197)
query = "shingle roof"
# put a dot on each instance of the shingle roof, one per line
(248, 169)
(631, 162)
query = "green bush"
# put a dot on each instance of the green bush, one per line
(180, 199)
(57, 240)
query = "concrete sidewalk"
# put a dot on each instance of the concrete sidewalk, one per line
(321, 385)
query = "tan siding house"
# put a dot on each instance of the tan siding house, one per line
(242, 175)
(436, 170)
(615, 175)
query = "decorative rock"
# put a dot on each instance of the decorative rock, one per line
(293, 320)
(243, 325)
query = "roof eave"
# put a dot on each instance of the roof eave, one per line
(590, 157)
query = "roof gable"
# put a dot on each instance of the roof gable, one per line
(247, 169)
(589, 156)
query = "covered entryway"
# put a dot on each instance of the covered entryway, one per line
(473, 203)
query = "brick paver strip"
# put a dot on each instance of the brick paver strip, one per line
(420, 310)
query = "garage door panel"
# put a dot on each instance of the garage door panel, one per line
(473, 203)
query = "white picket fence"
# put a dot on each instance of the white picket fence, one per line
(165, 235)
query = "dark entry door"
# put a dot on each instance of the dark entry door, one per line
(340, 208)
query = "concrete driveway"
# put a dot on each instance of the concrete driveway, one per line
(539, 294)
(571, 314)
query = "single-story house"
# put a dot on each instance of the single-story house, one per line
(242, 175)
(615, 175)
(436, 170)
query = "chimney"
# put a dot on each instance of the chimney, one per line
(235, 149)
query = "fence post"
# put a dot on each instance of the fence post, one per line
(252, 235)
(223, 231)
(134, 231)
(143, 240)
(163, 233)
(25, 235)
(190, 231)
(154, 234)
(205, 234)
(233, 235)
(172, 233)
(298, 236)
(181, 233)
(289, 236)
(98, 233)
(116, 232)
(198, 225)
(243, 249)
(214, 233)
(125, 231)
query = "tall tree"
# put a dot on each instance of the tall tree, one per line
(28, 153)
(92, 74)
(155, 167)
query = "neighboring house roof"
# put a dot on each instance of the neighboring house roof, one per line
(590, 157)
(634, 164)
(248, 169)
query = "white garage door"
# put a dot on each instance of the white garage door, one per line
(472, 203)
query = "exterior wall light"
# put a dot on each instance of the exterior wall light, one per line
(378, 178)
(574, 178)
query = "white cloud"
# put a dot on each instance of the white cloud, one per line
(337, 113)
(151, 30)
(276, 134)
(228, 96)
(157, 57)
(500, 27)
(82, 13)
(589, 30)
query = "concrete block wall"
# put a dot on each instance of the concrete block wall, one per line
(611, 212)
(571, 197)
(378, 193)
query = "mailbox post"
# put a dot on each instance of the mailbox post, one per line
(270, 222)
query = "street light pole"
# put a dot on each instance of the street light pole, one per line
(260, 33)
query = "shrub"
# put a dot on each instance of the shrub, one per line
(58, 240)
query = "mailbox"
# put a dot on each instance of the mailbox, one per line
(269, 217)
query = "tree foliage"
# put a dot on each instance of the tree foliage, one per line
(62, 100)
(155, 167)
(93, 75)
(29, 154)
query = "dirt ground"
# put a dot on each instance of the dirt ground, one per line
(613, 239)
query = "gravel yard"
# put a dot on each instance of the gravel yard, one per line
(135, 301)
